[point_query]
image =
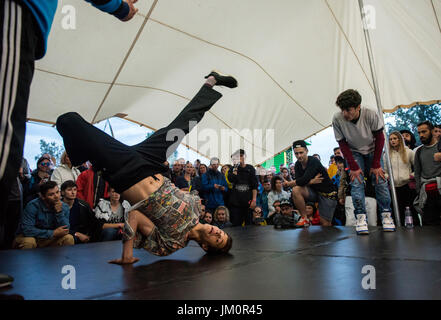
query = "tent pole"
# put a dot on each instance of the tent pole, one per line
(380, 113)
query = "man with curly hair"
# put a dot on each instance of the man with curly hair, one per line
(359, 133)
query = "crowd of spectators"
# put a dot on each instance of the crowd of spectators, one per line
(63, 205)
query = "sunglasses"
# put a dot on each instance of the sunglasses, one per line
(45, 164)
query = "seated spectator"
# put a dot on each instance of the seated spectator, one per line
(409, 139)
(258, 218)
(111, 214)
(208, 217)
(65, 171)
(38, 177)
(45, 221)
(277, 193)
(312, 214)
(287, 217)
(262, 198)
(202, 216)
(222, 217)
(84, 227)
(185, 182)
(92, 187)
(341, 180)
(427, 175)
(276, 206)
(214, 185)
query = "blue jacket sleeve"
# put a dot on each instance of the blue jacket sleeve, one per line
(224, 183)
(28, 223)
(63, 217)
(118, 8)
(207, 185)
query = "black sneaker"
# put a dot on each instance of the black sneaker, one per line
(223, 80)
(5, 280)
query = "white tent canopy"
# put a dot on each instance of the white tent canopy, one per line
(291, 58)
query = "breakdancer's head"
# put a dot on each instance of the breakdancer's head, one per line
(211, 238)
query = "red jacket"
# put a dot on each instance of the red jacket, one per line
(86, 188)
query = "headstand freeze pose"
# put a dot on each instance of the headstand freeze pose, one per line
(163, 218)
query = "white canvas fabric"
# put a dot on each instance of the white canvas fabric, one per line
(291, 58)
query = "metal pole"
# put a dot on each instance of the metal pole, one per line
(380, 112)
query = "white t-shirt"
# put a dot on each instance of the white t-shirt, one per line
(359, 135)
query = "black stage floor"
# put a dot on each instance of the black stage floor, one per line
(265, 264)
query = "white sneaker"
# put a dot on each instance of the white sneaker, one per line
(388, 222)
(361, 225)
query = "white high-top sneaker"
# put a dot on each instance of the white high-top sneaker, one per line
(361, 226)
(388, 222)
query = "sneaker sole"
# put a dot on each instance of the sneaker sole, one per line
(362, 232)
(388, 229)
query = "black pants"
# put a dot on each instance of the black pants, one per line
(18, 41)
(122, 165)
(432, 210)
(239, 215)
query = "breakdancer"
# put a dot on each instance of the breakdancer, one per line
(162, 218)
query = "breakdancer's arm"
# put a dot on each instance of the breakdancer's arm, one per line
(138, 222)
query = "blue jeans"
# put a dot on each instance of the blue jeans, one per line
(358, 189)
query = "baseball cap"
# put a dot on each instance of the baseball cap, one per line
(285, 202)
(299, 144)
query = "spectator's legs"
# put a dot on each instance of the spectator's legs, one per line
(239, 215)
(18, 39)
(299, 194)
(22, 242)
(432, 211)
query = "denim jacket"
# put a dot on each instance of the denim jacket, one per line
(39, 221)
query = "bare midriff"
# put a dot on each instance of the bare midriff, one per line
(143, 189)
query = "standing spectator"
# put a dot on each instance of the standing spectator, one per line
(185, 182)
(45, 221)
(316, 155)
(340, 180)
(332, 170)
(437, 132)
(409, 139)
(262, 198)
(222, 217)
(359, 133)
(286, 178)
(84, 227)
(176, 171)
(312, 184)
(337, 152)
(197, 163)
(92, 187)
(198, 181)
(38, 177)
(402, 160)
(427, 175)
(65, 171)
(277, 193)
(224, 170)
(111, 214)
(292, 171)
(243, 195)
(214, 185)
